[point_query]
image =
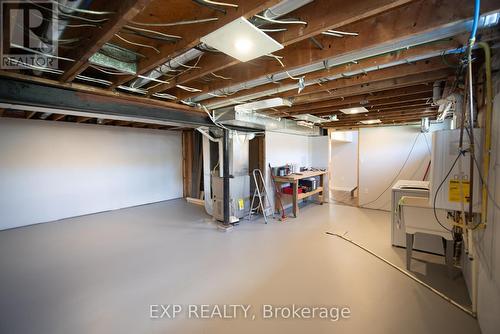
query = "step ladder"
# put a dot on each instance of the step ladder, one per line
(264, 205)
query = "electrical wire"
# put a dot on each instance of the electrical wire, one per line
(273, 30)
(188, 89)
(66, 25)
(40, 53)
(67, 15)
(137, 44)
(332, 34)
(109, 72)
(343, 32)
(153, 79)
(220, 76)
(280, 21)
(216, 3)
(83, 11)
(439, 188)
(154, 32)
(38, 68)
(399, 172)
(171, 24)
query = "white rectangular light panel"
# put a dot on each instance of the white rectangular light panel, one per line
(242, 40)
(355, 110)
(371, 121)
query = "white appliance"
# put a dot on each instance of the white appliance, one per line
(422, 242)
(445, 151)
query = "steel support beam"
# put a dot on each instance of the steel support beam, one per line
(31, 94)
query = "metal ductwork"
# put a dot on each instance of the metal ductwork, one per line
(445, 31)
(282, 8)
(169, 66)
(262, 122)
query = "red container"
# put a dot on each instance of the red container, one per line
(289, 190)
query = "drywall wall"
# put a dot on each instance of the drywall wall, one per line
(488, 240)
(54, 170)
(319, 152)
(344, 163)
(304, 151)
(319, 156)
(382, 154)
(283, 148)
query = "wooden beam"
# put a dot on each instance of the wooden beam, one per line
(2, 110)
(372, 96)
(389, 27)
(411, 114)
(373, 107)
(58, 117)
(83, 119)
(355, 101)
(319, 15)
(191, 37)
(126, 11)
(95, 90)
(30, 114)
(382, 85)
(404, 70)
(360, 125)
(237, 76)
(386, 114)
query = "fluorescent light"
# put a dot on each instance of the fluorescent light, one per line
(355, 110)
(371, 121)
(242, 40)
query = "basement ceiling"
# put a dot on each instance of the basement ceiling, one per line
(383, 55)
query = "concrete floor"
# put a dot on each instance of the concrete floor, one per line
(100, 273)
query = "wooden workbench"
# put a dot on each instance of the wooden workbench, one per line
(293, 179)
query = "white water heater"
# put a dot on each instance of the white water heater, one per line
(456, 187)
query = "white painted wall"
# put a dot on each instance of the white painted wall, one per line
(282, 148)
(55, 170)
(488, 240)
(344, 163)
(382, 153)
(319, 151)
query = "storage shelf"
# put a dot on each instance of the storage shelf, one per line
(307, 194)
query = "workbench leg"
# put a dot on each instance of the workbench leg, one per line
(295, 198)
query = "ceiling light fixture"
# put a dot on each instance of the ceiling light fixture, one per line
(355, 110)
(241, 40)
(371, 121)
(243, 45)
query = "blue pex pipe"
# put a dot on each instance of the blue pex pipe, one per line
(476, 20)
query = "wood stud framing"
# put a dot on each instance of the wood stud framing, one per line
(395, 94)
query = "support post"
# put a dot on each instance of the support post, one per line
(225, 175)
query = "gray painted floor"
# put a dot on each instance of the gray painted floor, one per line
(100, 273)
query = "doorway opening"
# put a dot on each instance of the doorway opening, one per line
(344, 158)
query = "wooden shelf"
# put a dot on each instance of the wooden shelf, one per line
(307, 194)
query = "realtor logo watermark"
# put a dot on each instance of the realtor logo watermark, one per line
(29, 34)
